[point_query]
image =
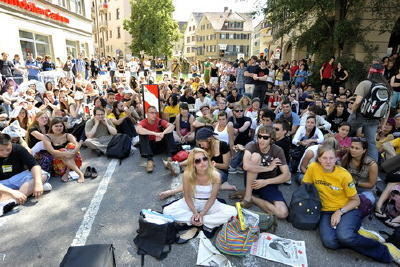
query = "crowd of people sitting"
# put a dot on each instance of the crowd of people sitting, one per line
(259, 118)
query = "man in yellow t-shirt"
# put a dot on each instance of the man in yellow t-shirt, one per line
(392, 148)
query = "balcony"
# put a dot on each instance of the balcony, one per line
(103, 25)
(103, 8)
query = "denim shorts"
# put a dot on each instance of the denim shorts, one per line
(16, 181)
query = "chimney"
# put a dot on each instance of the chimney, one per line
(226, 9)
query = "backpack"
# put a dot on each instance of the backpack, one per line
(366, 206)
(392, 205)
(154, 239)
(305, 207)
(119, 147)
(98, 255)
(376, 104)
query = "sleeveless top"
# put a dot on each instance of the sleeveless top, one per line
(363, 174)
(184, 124)
(396, 88)
(222, 135)
(203, 191)
(58, 147)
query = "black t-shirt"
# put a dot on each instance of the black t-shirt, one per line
(18, 161)
(250, 69)
(223, 149)
(266, 159)
(261, 73)
(189, 100)
(285, 143)
(243, 137)
(214, 72)
(336, 120)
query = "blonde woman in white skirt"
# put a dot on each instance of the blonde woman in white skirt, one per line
(199, 206)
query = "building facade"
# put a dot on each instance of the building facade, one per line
(110, 38)
(56, 27)
(177, 50)
(225, 35)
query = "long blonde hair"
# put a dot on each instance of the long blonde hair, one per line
(190, 170)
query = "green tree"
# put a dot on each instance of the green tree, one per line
(152, 27)
(330, 26)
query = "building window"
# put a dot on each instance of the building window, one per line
(190, 28)
(110, 34)
(118, 32)
(37, 44)
(193, 38)
(84, 49)
(117, 13)
(222, 36)
(188, 39)
(188, 50)
(109, 16)
(72, 48)
(75, 6)
(106, 35)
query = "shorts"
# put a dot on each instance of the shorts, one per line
(224, 175)
(16, 181)
(270, 193)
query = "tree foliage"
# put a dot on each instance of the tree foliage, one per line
(152, 27)
(330, 26)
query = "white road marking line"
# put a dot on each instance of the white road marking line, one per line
(87, 222)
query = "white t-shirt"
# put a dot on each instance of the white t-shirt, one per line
(133, 66)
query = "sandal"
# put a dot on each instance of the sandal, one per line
(392, 224)
(237, 195)
(94, 173)
(246, 204)
(380, 214)
(88, 172)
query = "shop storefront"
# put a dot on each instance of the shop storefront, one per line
(57, 28)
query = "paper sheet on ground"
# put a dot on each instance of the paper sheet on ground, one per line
(208, 255)
(275, 248)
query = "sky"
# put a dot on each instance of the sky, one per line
(183, 8)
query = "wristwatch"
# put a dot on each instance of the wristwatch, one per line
(342, 211)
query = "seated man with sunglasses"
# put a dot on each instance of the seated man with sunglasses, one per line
(266, 168)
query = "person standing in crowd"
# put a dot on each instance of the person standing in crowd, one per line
(395, 83)
(340, 75)
(6, 66)
(155, 136)
(357, 120)
(18, 72)
(326, 72)
(47, 64)
(207, 71)
(249, 72)
(112, 67)
(239, 74)
(33, 67)
(260, 81)
(341, 220)
(175, 68)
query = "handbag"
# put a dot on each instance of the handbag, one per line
(180, 156)
(98, 255)
(232, 240)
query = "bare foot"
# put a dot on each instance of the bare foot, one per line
(81, 179)
(166, 194)
(228, 186)
(65, 177)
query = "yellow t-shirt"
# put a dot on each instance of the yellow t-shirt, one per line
(173, 111)
(335, 188)
(112, 116)
(396, 144)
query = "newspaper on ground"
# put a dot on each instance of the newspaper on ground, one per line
(275, 248)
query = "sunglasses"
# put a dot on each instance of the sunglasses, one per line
(265, 137)
(198, 161)
(239, 110)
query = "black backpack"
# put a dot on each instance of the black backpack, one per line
(119, 147)
(90, 256)
(376, 104)
(154, 239)
(305, 207)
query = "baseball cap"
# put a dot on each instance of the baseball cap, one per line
(204, 133)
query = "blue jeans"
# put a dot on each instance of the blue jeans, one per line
(346, 236)
(237, 159)
(395, 99)
(370, 128)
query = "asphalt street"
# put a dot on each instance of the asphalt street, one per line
(40, 232)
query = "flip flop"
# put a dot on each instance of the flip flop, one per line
(392, 224)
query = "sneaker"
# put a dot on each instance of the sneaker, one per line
(135, 140)
(7, 206)
(150, 166)
(47, 187)
(232, 170)
(371, 235)
(394, 252)
(175, 168)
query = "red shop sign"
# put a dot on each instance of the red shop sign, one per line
(31, 7)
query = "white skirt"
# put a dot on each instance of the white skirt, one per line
(217, 215)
